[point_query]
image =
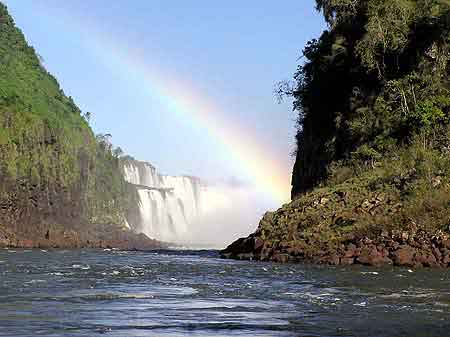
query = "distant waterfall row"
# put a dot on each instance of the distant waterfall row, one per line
(169, 205)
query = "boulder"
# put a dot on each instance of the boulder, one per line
(242, 245)
(426, 259)
(446, 244)
(295, 251)
(258, 244)
(331, 259)
(446, 260)
(281, 258)
(404, 256)
(345, 261)
(370, 256)
(437, 254)
(26, 244)
(265, 254)
(352, 251)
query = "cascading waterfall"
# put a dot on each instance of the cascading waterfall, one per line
(169, 205)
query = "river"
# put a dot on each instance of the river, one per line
(194, 293)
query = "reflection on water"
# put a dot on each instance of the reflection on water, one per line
(114, 293)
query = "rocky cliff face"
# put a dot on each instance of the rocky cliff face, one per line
(57, 181)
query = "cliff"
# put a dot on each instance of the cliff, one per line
(59, 184)
(371, 177)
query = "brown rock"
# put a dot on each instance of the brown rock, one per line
(265, 253)
(259, 243)
(404, 256)
(426, 259)
(345, 261)
(351, 251)
(446, 259)
(372, 257)
(446, 244)
(281, 258)
(437, 254)
(295, 251)
(367, 241)
(331, 259)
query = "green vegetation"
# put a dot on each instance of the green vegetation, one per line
(373, 102)
(372, 83)
(408, 194)
(50, 161)
(34, 114)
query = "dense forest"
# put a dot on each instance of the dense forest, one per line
(375, 81)
(55, 174)
(372, 166)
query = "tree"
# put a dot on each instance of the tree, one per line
(376, 77)
(104, 141)
(87, 116)
(118, 152)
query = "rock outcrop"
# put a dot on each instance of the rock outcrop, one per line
(87, 236)
(350, 224)
(421, 251)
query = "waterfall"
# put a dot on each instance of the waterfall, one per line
(168, 205)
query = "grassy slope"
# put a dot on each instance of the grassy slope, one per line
(52, 169)
(33, 107)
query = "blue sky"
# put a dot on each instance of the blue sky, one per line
(231, 52)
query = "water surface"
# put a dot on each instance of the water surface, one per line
(115, 293)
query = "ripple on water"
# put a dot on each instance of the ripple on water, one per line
(149, 294)
(82, 267)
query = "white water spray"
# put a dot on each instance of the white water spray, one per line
(182, 209)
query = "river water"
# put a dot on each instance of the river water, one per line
(187, 293)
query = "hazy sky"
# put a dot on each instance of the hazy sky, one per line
(229, 53)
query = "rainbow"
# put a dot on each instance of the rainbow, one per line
(254, 162)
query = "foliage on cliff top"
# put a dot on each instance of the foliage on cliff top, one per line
(34, 111)
(374, 80)
(25, 81)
